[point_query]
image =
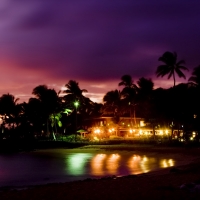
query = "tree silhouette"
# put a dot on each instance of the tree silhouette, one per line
(126, 81)
(171, 66)
(50, 102)
(145, 86)
(195, 78)
(75, 94)
(145, 97)
(112, 102)
(73, 89)
(8, 109)
(129, 93)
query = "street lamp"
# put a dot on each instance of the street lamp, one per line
(76, 104)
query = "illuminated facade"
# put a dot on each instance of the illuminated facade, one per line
(107, 127)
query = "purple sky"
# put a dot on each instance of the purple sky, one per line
(94, 42)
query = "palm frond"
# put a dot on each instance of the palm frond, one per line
(170, 74)
(180, 73)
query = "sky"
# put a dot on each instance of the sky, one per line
(94, 42)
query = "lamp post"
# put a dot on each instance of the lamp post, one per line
(76, 104)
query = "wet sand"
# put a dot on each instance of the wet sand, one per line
(180, 182)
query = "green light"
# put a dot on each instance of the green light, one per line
(76, 104)
(76, 163)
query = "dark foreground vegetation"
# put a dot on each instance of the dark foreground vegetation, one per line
(21, 145)
(51, 115)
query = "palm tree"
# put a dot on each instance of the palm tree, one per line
(129, 93)
(112, 103)
(76, 101)
(144, 97)
(170, 66)
(195, 78)
(126, 81)
(73, 94)
(74, 90)
(8, 109)
(145, 86)
(55, 119)
(34, 114)
(49, 100)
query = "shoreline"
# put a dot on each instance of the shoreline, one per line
(159, 184)
(162, 184)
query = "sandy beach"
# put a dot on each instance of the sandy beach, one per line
(180, 182)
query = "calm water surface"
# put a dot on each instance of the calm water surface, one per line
(62, 165)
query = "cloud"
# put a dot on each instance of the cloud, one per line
(92, 41)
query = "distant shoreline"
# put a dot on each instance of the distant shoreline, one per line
(29, 145)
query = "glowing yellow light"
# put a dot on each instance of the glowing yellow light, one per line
(163, 163)
(97, 131)
(112, 163)
(144, 164)
(166, 163)
(97, 164)
(96, 138)
(161, 132)
(130, 131)
(145, 158)
(166, 131)
(134, 164)
(171, 162)
(114, 155)
(135, 157)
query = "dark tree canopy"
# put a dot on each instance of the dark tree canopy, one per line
(171, 66)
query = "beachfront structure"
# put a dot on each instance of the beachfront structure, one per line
(105, 127)
(133, 128)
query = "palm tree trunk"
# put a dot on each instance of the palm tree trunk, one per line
(54, 135)
(174, 78)
(47, 126)
(131, 117)
(55, 123)
(173, 95)
(134, 116)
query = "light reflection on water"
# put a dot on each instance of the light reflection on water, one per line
(63, 165)
(113, 164)
(76, 163)
(166, 163)
(134, 164)
(97, 164)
